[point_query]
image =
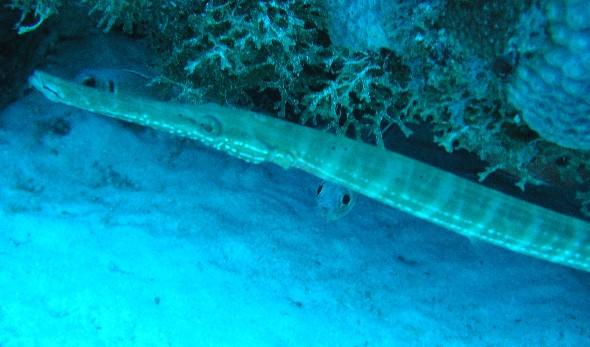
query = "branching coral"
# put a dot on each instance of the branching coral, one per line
(277, 57)
(34, 13)
(110, 12)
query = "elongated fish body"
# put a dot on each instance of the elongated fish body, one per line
(398, 181)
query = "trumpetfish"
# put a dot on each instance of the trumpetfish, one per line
(419, 189)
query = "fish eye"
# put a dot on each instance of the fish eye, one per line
(345, 199)
(89, 81)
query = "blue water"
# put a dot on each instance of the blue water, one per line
(113, 235)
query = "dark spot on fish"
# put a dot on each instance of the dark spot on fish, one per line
(111, 85)
(320, 187)
(207, 127)
(208, 124)
(346, 199)
(156, 300)
(89, 81)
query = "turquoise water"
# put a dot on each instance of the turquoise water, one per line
(116, 235)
